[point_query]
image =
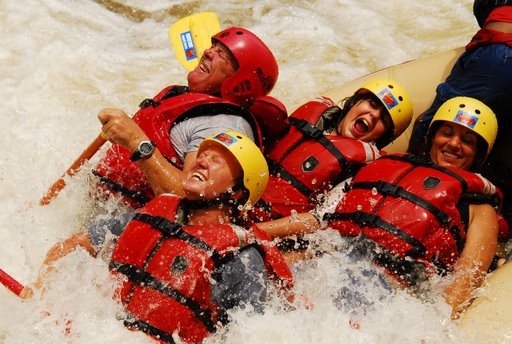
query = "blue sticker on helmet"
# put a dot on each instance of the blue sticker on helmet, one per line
(387, 98)
(188, 45)
(466, 119)
(225, 139)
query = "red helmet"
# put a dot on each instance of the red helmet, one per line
(257, 67)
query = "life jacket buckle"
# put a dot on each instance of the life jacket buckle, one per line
(306, 128)
(387, 188)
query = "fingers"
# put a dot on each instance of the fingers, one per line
(120, 128)
(107, 114)
(111, 120)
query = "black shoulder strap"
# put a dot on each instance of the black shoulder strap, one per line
(171, 92)
(316, 134)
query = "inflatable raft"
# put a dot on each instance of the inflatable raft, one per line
(489, 318)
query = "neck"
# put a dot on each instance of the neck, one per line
(499, 26)
(209, 216)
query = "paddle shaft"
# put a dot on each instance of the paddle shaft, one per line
(59, 184)
(10, 283)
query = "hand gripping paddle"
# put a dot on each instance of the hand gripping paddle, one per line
(189, 36)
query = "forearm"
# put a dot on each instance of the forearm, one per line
(67, 246)
(459, 293)
(476, 257)
(162, 175)
(57, 252)
(291, 225)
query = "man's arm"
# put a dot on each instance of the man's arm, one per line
(55, 253)
(163, 177)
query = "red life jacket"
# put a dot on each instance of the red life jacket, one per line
(485, 36)
(169, 266)
(413, 221)
(156, 118)
(306, 162)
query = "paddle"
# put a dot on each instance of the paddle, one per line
(190, 36)
(59, 184)
(10, 283)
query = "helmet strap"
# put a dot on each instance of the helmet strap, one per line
(225, 198)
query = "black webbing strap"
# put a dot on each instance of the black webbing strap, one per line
(150, 330)
(365, 219)
(145, 279)
(409, 270)
(134, 195)
(388, 189)
(172, 229)
(420, 161)
(277, 170)
(316, 134)
(171, 92)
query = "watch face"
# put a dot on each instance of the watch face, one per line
(146, 148)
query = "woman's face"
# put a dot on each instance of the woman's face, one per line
(216, 65)
(454, 145)
(365, 121)
(214, 172)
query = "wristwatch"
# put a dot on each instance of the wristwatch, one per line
(144, 150)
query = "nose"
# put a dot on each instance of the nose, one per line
(210, 51)
(200, 160)
(454, 142)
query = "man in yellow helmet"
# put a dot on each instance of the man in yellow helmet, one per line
(186, 260)
(415, 218)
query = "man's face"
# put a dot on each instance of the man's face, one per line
(216, 65)
(214, 172)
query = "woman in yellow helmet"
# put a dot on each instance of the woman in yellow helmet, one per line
(327, 143)
(415, 218)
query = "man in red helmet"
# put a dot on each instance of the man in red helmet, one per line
(151, 151)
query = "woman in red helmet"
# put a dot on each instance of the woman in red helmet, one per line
(151, 151)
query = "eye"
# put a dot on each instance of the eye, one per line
(470, 139)
(446, 131)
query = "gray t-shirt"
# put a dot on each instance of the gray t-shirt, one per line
(187, 135)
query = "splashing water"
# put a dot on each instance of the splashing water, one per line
(62, 61)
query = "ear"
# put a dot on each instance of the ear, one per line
(237, 194)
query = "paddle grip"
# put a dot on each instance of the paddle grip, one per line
(59, 184)
(10, 283)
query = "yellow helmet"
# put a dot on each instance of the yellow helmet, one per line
(395, 99)
(472, 114)
(249, 156)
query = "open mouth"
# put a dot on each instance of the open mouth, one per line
(361, 126)
(203, 67)
(199, 176)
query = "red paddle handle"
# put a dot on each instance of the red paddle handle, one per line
(9, 282)
(59, 184)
